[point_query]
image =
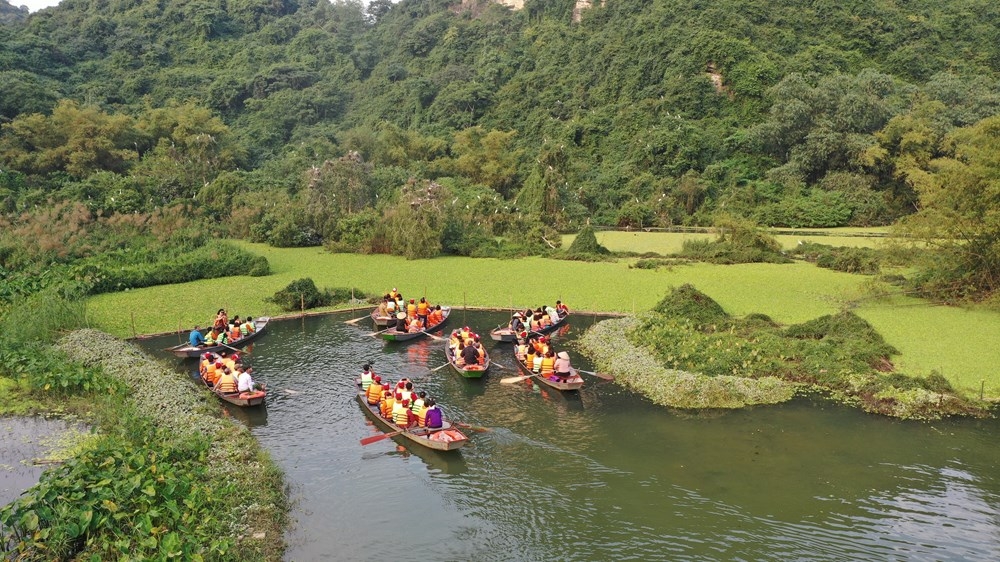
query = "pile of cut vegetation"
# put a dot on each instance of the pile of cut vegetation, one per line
(688, 332)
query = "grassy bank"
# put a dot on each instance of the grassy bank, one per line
(165, 478)
(954, 342)
(667, 243)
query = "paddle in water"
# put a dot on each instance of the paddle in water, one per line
(379, 437)
(356, 320)
(599, 375)
(511, 380)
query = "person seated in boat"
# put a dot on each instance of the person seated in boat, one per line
(552, 313)
(374, 393)
(382, 308)
(432, 415)
(206, 358)
(562, 309)
(244, 382)
(390, 306)
(415, 324)
(407, 392)
(521, 350)
(543, 319)
(542, 345)
(529, 357)
(195, 338)
(236, 319)
(548, 364)
(562, 368)
(234, 332)
(401, 412)
(388, 400)
(400, 303)
(418, 403)
(393, 294)
(479, 349)
(411, 309)
(227, 382)
(221, 319)
(400, 322)
(436, 316)
(454, 340)
(536, 365)
(470, 355)
(423, 310)
(247, 327)
(516, 322)
(367, 376)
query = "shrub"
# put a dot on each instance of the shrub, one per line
(303, 294)
(849, 260)
(586, 243)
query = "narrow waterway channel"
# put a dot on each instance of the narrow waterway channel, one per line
(603, 474)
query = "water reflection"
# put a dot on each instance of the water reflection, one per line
(604, 474)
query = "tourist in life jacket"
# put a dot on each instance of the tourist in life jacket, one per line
(414, 324)
(244, 382)
(418, 403)
(407, 392)
(374, 393)
(562, 368)
(423, 310)
(401, 414)
(436, 316)
(529, 357)
(246, 328)
(536, 364)
(393, 294)
(562, 309)
(388, 401)
(227, 382)
(195, 339)
(213, 372)
(432, 415)
(367, 375)
(206, 359)
(390, 307)
(234, 332)
(548, 364)
(411, 309)
(521, 350)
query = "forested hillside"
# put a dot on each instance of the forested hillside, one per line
(435, 125)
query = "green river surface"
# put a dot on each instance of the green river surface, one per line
(603, 474)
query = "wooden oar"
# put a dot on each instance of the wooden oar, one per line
(236, 350)
(471, 427)
(438, 338)
(354, 321)
(376, 438)
(510, 380)
(599, 375)
(380, 331)
(492, 362)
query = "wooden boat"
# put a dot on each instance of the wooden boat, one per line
(381, 321)
(392, 335)
(445, 438)
(467, 371)
(508, 335)
(186, 350)
(241, 398)
(574, 382)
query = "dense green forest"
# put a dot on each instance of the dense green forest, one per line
(466, 127)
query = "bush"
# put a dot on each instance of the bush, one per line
(303, 294)
(586, 243)
(865, 261)
(691, 304)
(739, 241)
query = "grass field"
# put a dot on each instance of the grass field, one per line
(665, 243)
(956, 342)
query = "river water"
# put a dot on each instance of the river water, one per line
(602, 473)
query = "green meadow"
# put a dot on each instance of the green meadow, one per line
(958, 343)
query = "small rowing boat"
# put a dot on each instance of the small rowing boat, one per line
(445, 438)
(241, 398)
(380, 320)
(393, 335)
(187, 350)
(573, 382)
(468, 371)
(508, 335)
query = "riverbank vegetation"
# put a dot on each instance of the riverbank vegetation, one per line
(395, 128)
(162, 475)
(753, 360)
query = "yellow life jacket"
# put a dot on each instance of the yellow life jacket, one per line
(399, 414)
(418, 405)
(374, 393)
(422, 417)
(548, 364)
(227, 383)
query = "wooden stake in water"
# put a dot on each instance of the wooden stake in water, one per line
(134, 334)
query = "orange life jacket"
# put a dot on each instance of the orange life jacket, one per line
(374, 393)
(227, 383)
